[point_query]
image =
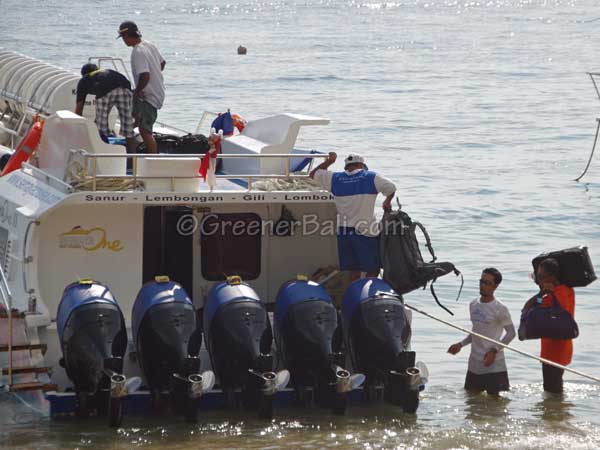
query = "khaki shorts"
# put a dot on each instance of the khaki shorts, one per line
(144, 113)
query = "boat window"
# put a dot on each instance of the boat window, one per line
(230, 245)
(167, 251)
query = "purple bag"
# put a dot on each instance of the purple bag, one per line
(554, 323)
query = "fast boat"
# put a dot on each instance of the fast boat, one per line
(129, 254)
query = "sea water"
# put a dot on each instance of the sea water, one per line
(480, 111)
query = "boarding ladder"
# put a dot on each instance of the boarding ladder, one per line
(16, 350)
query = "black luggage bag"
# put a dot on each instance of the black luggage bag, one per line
(179, 145)
(576, 267)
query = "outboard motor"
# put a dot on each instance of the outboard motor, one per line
(377, 332)
(238, 338)
(93, 339)
(168, 341)
(305, 327)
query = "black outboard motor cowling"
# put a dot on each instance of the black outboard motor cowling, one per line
(93, 339)
(307, 333)
(168, 342)
(377, 332)
(380, 332)
(305, 326)
(239, 338)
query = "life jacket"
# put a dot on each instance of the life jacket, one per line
(25, 148)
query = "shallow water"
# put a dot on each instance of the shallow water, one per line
(482, 114)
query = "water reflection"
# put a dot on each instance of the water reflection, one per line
(482, 407)
(553, 407)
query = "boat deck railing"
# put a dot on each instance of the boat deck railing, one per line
(7, 301)
(92, 179)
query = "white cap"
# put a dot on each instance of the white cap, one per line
(353, 158)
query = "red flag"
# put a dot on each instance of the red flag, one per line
(214, 150)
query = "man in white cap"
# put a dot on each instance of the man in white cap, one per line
(355, 190)
(147, 65)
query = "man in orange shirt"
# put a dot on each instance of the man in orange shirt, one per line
(559, 351)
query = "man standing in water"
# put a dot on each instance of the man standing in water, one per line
(489, 316)
(560, 351)
(147, 65)
(355, 191)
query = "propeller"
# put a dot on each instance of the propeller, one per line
(282, 379)
(356, 380)
(424, 371)
(132, 384)
(208, 380)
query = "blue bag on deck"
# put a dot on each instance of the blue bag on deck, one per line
(223, 122)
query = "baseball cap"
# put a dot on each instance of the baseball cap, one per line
(353, 158)
(129, 28)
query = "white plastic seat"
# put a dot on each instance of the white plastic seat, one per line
(271, 135)
(167, 167)
(65, 131)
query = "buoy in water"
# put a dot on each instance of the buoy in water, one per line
(242, 50)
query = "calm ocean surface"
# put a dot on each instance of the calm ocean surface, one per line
(480, 111)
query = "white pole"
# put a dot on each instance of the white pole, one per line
(328, 277)
(529, 355)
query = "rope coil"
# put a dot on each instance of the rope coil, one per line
(81, 180)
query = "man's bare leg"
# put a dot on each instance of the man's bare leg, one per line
(131, 145)
(148, 138)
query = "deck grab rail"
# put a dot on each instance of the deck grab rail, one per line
(92, 158)
(7, 300)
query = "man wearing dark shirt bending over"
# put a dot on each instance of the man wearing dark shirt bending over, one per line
(111, 89)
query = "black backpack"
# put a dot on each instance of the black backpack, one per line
(192, 144)
(180, 145)
(166, 143)
(401, 258)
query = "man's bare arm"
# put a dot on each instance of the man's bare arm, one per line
(141, 83)
(79, 108)
(325, 164)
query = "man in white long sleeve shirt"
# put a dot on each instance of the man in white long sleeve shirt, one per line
(490, 317)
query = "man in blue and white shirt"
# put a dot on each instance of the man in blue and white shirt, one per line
(355, 191)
